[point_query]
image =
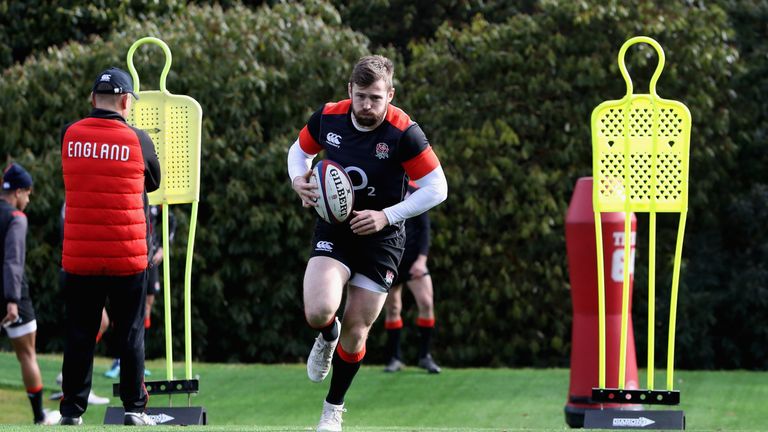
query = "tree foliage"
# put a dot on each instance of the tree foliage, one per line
(503, 91)
(507, 107)
(249, 69)
(34, 25)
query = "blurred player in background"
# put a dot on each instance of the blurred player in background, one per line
(18, 313)
(413, 273)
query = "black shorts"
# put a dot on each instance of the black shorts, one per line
(153, 279)
(372, 260)
(27, 321)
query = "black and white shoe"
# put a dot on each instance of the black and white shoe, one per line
(138, 419)
(71, 421)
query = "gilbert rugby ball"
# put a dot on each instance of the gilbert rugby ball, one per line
(334, 186)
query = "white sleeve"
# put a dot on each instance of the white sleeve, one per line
(433, 189)
(298, 161)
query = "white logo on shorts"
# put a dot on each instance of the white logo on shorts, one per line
(389, 277)
(333, 139)
(325, 246)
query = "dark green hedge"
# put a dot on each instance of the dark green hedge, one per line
(250, 70)
(506, 102)
(508, 106)
(32, 26)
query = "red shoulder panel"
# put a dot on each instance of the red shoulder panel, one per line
(18, 213)
(398, 118)
(307, 143)
(341, 107)
(421, 164)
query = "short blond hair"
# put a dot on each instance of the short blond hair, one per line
(370, 69)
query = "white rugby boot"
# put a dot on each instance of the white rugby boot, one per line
(138, 419)
(94, 399)
(50, 417)
(319, 360)
(330, 419)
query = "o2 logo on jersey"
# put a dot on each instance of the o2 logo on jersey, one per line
(359, 180)
(333, 139)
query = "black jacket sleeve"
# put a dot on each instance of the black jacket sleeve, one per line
(15, 254)
(151, 162)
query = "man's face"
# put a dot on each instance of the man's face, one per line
(22, 198)
(369, 104)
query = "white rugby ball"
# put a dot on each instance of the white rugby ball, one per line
(337, 196)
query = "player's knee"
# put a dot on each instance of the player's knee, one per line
(25, 353)
(392, 311)
(426, 307)
(318, 318)
(356, 334)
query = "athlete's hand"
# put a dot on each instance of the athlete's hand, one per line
(366, 222)
(306, 190)
(12, 314)
(419, 267)
(157, 258)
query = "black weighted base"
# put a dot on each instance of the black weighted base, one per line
(574, 417)
(626, 419)
(183, 416)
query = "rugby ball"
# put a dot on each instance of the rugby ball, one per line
(337, 196)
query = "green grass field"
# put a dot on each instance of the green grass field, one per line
(280, 397)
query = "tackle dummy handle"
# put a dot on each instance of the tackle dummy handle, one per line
(166, 68)
(623, 66)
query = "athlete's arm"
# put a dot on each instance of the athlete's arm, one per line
(433, 189)
(13, 262)
(299, 163)
(423, 167)
(300, 156)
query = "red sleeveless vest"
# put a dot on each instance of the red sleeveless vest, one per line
(105, 226)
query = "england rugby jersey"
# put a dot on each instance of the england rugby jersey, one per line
(380, 161)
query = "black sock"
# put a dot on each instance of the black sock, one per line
(343, 374)
(36, 400)
(425, 340)
(331, 331)
(393, 343)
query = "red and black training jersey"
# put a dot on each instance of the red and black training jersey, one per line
(380, 161)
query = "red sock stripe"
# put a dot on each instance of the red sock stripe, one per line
(393, 325)
(147, 322)
(424, 322)
(98, 336)
(350, 357)
(324, 325)
(34, 389)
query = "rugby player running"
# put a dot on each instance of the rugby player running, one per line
(381, 149)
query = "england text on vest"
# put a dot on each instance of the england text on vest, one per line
(117, 152)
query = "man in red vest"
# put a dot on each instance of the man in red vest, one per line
(108, 167)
